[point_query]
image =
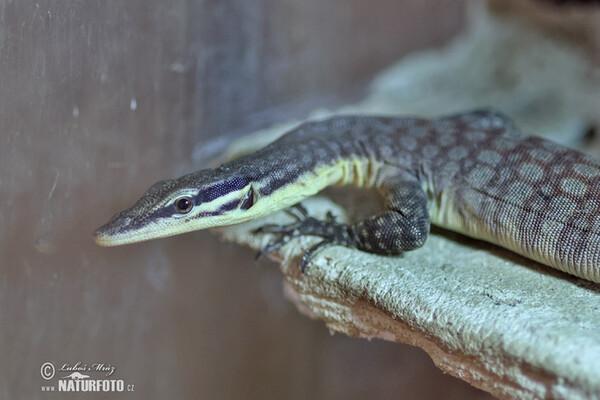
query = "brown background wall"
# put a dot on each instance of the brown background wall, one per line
(99, 100)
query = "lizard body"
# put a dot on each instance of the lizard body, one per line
(473, 173)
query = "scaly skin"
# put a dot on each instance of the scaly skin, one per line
(472, 173)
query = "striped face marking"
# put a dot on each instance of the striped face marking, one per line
(167, 209)
(473, 173)
(183, 205)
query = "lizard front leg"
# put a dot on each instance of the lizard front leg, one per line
(402, 227)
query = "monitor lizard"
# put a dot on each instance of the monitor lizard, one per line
(474, 173)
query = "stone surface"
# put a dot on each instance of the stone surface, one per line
(505, 324)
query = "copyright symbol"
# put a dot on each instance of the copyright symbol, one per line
(47, 371)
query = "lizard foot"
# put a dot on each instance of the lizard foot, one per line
(332, 232)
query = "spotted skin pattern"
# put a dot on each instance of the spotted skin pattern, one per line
(472, 173)
(403, 227)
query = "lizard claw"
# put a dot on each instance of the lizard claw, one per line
(329, 229)
(297, 211)
(269, 248)
(307, 257)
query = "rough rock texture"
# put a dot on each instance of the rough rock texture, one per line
(505, 324)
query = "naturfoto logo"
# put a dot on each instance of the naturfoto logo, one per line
(78, 377)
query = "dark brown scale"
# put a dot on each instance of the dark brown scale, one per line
(477, 174)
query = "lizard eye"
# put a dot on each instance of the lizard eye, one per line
(184, 205)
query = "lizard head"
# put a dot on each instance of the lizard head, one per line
(203, 199)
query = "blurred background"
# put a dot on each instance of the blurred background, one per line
(99, 100)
